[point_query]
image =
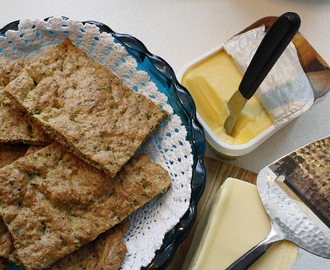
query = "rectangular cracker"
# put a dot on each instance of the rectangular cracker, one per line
(8, 154)
(85, 107)
(15, 125)
(52, 202)
(9, 69)
(106, 252)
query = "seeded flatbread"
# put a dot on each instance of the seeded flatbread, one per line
(15, 125)
(52, 202)
(33, 148)
(85, 107)
(106, 252)
(8, 154)
(9, 69)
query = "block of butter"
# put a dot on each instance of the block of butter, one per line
(235, 222)
(211, 84)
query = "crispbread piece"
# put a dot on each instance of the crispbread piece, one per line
(85, 107)
(106, 252)
(15, 125)
(33, 148)
(52, 202)
(8, 154)
(9, 69)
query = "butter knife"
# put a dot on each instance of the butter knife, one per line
(270, 49)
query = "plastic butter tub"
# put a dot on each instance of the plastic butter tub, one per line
(290, 89)
(212, 80)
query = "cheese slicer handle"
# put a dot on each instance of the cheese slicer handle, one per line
(270, 49)
(245, 261)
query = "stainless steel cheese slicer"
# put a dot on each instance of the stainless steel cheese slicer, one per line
(295, 192)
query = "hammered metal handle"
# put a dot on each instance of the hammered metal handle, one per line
(246, 260)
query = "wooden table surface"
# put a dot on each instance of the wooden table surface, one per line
(217, 172)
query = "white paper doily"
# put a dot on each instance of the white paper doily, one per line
(167, 147)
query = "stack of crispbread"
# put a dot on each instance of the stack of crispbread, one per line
(85, 107)
(65, 203)
(105, 252)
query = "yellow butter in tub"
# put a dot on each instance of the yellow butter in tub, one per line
(211, 83)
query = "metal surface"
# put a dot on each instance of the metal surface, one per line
(288, 220)
(235, 105)
(305, 176)
(308, 170)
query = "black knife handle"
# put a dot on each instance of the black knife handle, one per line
(246, 260)
(270, 49)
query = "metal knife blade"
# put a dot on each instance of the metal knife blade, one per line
(270, 49)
